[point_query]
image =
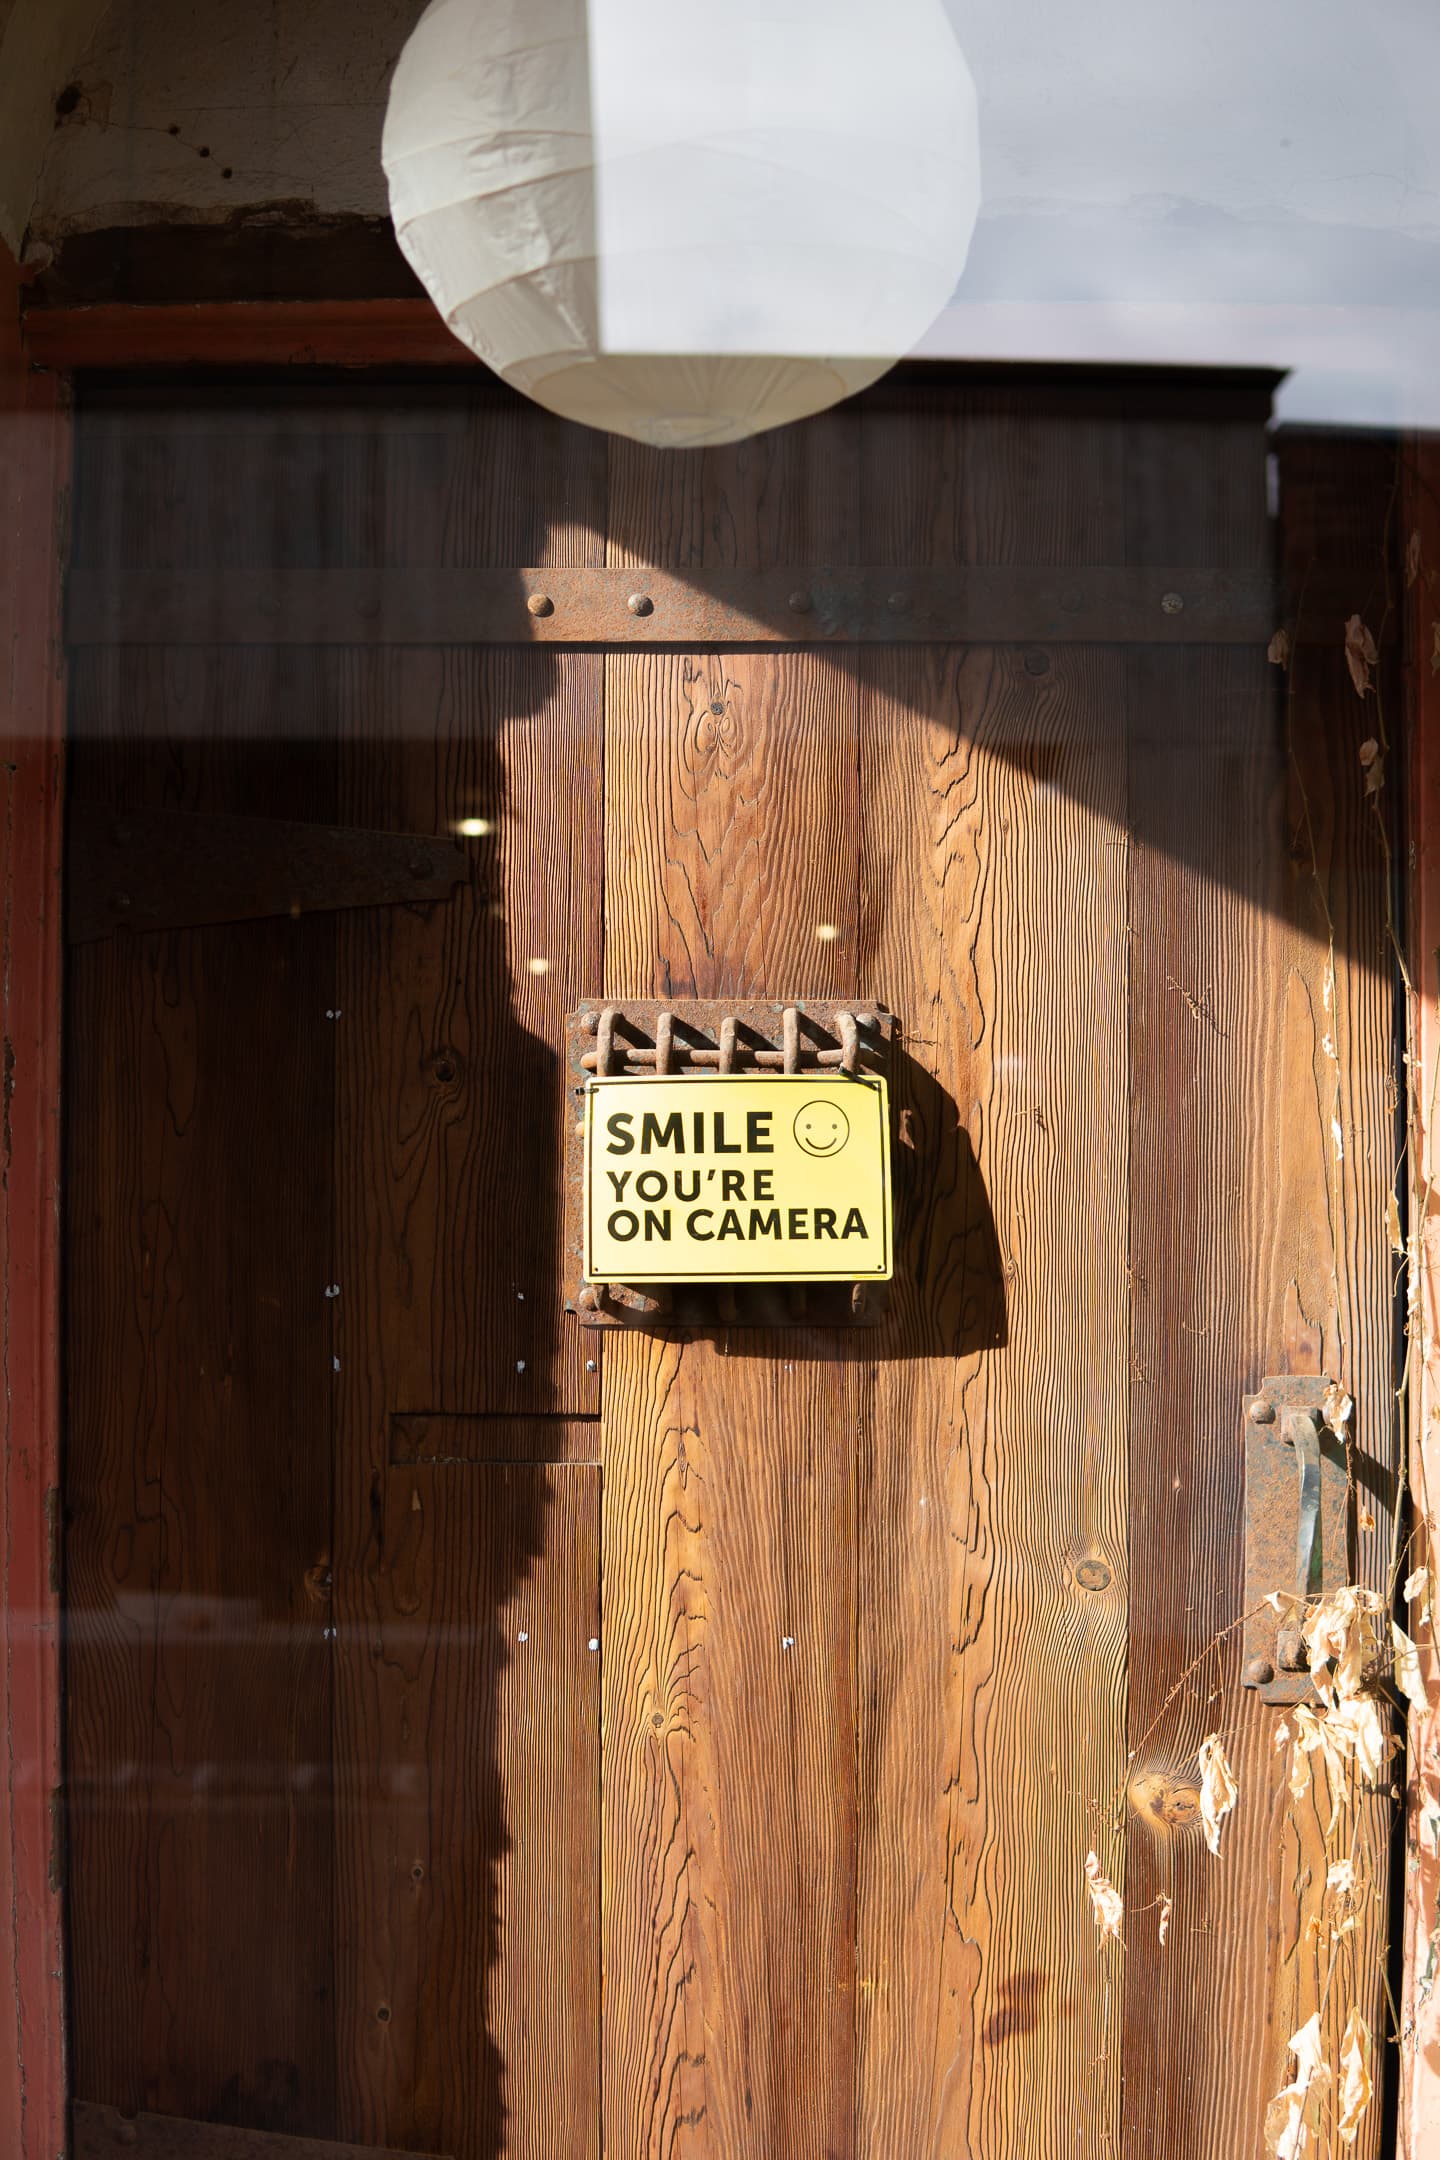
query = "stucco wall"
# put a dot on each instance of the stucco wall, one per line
(39, 40)
(198, 108)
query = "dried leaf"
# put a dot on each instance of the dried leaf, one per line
(1392, 1223)
(1408, 1676)
(1285, 2132)
(1372, 764)
(1412, 559)
(1337, 1409)
(1218, 1789)
(1341, 1878)
(1417, 1584)
(1277, 652)
(1356, 2087)
(1165, 1904)
(1357, 1726)
(1282, 1735)
(1105, 1900)
(1360, 654)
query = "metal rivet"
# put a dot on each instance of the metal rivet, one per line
(419, 866)
(800, 603)
(1172, 603)
(640, 603)
(1259, 1672)
(540, 603)
(1260, 1410)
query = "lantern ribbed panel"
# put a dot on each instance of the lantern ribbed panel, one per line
(664, 228)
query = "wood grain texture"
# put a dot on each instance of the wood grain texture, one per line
(476, 1949)
(1419, 2080)
(729, 1856)
(452, 1025)
(990, 1673)
(450, 1104)
(731, 823)
(198, 1496)
(198, 1485)
(1261, 1152)
(34, 477)
(100, 2133)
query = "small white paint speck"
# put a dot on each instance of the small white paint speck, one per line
(519, 1364)
(335, 1364)
(332, 1289)
(594, 1643)
(787, 1642)
(333, 1012)
(523, 1636)
(520, 1296)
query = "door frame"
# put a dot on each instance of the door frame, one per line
(39, 354)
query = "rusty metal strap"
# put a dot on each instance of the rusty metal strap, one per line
(817, 604)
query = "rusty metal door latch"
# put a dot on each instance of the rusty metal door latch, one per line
(1297, 1488)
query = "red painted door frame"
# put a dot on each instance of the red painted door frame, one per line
(35, 361)
(34, 450)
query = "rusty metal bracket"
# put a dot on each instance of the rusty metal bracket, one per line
(606, 1039)
(1297, 1524)
(802, 604)
(175, 869)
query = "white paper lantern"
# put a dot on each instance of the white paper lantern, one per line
(685, 220)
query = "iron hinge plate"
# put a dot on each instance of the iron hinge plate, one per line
(1297, 1524)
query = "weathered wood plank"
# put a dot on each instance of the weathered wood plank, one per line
(432, 1437)
(100, 2133)
(450, 1103)
(198, 1498)
(731, 867)
(198, 1487)
(1256, 1247)
(990, 1481)
(451, 1030)
(476, 1959)
(731, 825)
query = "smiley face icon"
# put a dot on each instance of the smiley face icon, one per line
(821, 1126)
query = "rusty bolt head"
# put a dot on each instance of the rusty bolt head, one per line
(1260, 1410)
(1290, 1650)
(800, 603)
(1093, 1575)
(1259, 1672)
(898, 602)
(640, 603)
(1171, 603)
(540, 603)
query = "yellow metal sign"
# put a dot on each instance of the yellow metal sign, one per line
(779, 1179)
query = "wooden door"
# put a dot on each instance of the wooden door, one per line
(433, 1659)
